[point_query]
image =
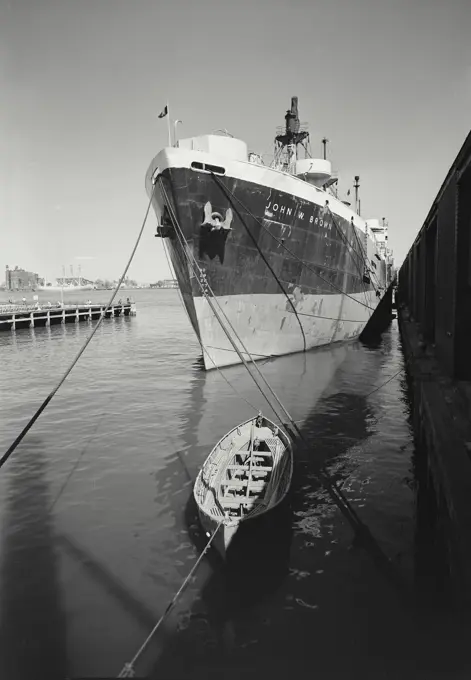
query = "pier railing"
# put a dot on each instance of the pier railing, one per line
(13, 317)
(5, 308)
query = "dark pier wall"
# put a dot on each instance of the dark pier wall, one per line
(435, 278)
(434, 312)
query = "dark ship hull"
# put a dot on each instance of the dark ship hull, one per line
(287, 265)
(304, 306)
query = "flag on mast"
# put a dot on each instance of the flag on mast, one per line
(165, 114)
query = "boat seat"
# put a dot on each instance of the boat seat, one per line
(247, 467)
(230, 502)
(237, 471)
(239, 474)
(235, 484)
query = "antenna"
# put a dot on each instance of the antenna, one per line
(356, 186)
(324, 142)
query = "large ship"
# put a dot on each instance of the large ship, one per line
(270, 250)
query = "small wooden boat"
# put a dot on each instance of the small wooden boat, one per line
(248, 473)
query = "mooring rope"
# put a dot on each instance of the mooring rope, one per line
(45, 403)
(206, 287)
(128, 668)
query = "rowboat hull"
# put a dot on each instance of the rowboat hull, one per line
(223, 537)
(250, 538)
(260, 484)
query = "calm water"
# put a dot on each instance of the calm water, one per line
(98, 528)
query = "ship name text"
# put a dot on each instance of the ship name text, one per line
(322, 220)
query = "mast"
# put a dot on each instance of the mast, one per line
(324, 142)
(356, 186)
(286, 143)
(385, 228)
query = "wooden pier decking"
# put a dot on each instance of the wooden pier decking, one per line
(14, 317)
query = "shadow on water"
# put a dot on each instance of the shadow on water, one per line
(32, 628)
(431, 572)
(255, 567)
(340, 424)
(259, 615)
(109, 582)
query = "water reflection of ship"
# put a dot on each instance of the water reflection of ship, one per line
(299, 380)
(334, 426)
(259, 561)
(214, 407)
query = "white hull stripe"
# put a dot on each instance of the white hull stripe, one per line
(267, 328)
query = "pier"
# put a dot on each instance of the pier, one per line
(434, 315)
(14, 317)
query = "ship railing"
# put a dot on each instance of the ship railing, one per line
(281, 129)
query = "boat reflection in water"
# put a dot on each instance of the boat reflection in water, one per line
(255, 565)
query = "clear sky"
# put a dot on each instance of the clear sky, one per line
(82, 81)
